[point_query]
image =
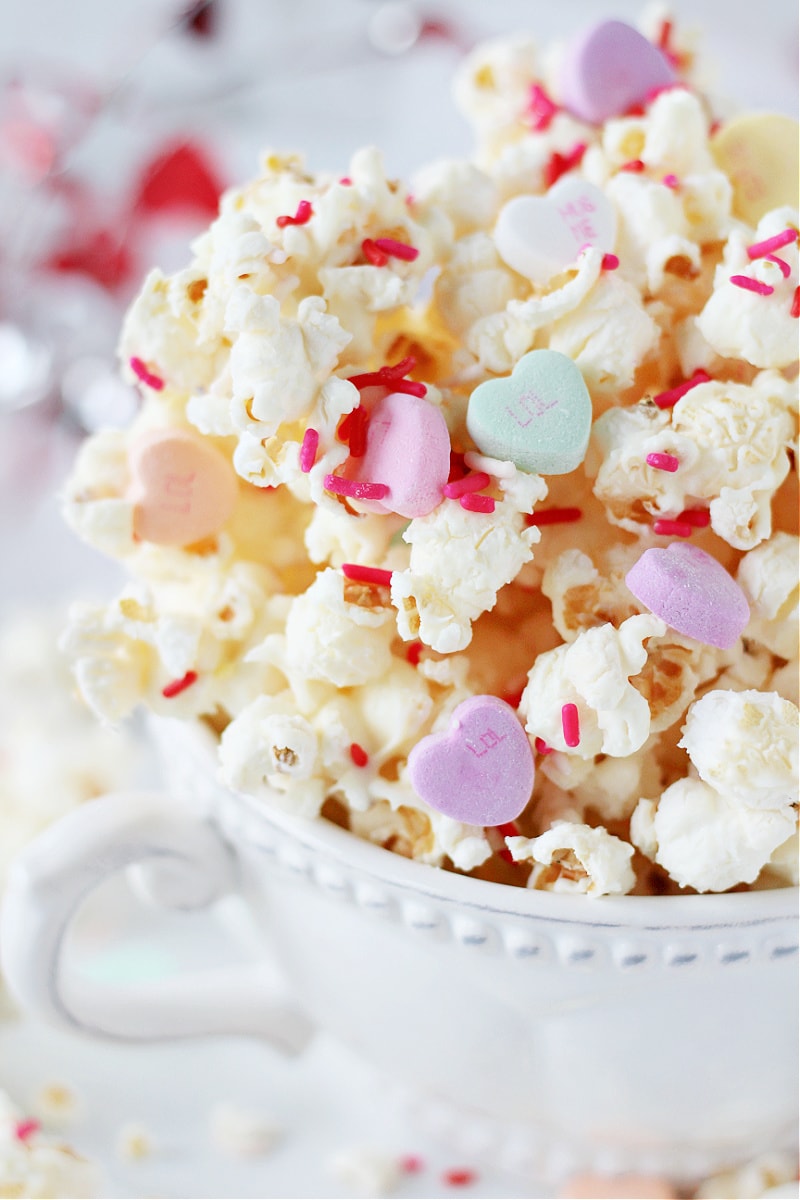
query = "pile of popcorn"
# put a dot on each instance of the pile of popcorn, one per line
(37, 1165)
(327, 622)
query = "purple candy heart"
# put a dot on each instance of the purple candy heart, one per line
(692, 592)
(608, 69)
(480, 771)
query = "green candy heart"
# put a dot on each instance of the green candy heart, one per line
(539, 417)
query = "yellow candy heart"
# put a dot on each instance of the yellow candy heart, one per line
(759, 154)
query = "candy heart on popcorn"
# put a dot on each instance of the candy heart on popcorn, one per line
(539, 417)
(538, 236)
(480, 771)
(692, 592)
(608, 69)
(183, 488)
(408, 450)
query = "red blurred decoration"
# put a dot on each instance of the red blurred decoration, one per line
(182, 178)
(202, 19)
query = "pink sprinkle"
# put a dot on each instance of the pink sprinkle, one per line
(760, 249)
(354, 488)
(794, 311)
(700, 518)
(752, 285)
(554, 516)
(481, 504)
(367, 574)
(542, 746)
(570, 724)
(358, 754)
(470, 483)
(459, 1177)
(373, 253)
(179, 685)
(670, 398)
(610, 262)
(671, 181)
(635, 165)
(784, 267)
(663, 462)
(397, 249)
(304, 214)
(25, 1129)
(672, 528)
(412, 1164)
(308, 450)
(541, 108)
(346, 181)
(141, 371)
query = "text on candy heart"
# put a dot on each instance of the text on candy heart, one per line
(489, 740)
(530, 405)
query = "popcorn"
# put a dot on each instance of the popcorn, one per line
(366, 1172)
(35, 1165)
(322, 636)
(243, 1134)
(744, 745)
(571, 857)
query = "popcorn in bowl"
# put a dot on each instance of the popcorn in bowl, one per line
(463, 513)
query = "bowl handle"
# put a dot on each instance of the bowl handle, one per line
(186, 865)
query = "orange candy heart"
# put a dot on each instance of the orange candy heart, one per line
(183, 488)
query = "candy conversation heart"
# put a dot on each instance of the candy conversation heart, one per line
(408, 450)
(538, 236)
(539, 417)
(608, 69)
(479, 771)
(183, 488)
(759, 153)
(692, 592)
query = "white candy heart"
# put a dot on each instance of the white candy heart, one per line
(538, 236)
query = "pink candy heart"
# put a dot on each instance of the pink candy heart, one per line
(692, 592)
(183, 488)
(408, 450)
(480, 771)
(608, 69)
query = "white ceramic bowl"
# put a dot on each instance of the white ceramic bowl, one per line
(554, 1033)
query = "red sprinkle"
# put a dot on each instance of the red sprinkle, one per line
(610, 262)
(541, 746)
(752, 285)
(414, 653)
(668, 399)
(663, 462)
(570, 724)
(558, 164)
(760, 249)
(358, 754)
(308, 450)
(355, 489)
(357, 432)
(391, 377)
(409, 387)
(470, 483)
(636, 165)
(481, 504)
(373, 253)
(795, 309)
(304, 214)
(179, 685)
(700, 518)
(411, 1164)
(554, 516)
(541, 108)
(513, 698)
(25, 1129)
(509, 829)
(672, 528)
(671, 181)
(397, 249)
(783, 266)
(459, 1177)
(664, 35)
(140, 370)
(367, 574)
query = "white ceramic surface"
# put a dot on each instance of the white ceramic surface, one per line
(619, 1034)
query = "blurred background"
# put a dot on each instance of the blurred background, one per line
(120, 123)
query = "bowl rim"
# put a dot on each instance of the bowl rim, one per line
(710, 910)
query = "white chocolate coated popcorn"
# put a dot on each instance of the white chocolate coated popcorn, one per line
(322, 636)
